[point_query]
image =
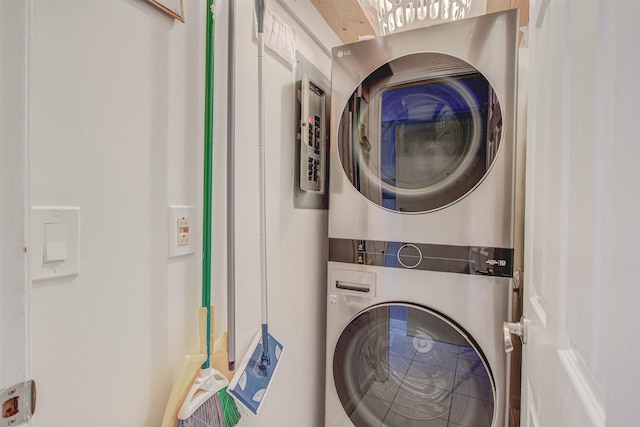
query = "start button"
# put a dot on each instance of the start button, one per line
(409, 256)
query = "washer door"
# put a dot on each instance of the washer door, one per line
(420, 132)
(402, 365)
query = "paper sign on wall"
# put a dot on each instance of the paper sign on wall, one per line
(279, 35)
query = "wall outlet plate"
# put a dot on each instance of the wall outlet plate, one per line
(18, 403)
(182, 237)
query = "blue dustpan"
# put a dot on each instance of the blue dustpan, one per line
(251, 381)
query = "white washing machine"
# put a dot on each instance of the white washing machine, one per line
(421, 226)
(409, 348)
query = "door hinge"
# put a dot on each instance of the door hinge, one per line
(18, 403)
(514, 328)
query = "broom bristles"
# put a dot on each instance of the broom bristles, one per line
(220, 410)
(229, 408)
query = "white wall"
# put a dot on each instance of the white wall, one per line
(296, 238)
(116, 129)
(13, 175)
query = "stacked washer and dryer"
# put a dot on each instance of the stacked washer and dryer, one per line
(421, 226)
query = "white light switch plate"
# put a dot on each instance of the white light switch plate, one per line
(181, 243)
(55, 242)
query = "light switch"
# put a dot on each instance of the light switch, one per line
(55, 243)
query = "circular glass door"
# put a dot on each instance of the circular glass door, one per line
(402, 365)
(420, 132)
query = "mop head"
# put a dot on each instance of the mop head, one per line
(249, 385)
(218, 411)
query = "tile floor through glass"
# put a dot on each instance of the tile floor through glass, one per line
(428, 383)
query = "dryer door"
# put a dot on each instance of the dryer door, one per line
(404, 365)
(420, 132)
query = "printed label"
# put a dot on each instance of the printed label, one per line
(333, 299)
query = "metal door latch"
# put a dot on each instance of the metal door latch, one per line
(18, 403)
(517, 281)
(515, 328)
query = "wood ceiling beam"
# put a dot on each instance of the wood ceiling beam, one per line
(498, 5)
(347, 18)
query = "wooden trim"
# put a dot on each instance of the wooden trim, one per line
(174, 8)
(499, 5)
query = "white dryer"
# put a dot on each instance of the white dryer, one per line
(422, 135)
(421, 226)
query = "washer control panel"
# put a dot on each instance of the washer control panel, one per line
(474, 260)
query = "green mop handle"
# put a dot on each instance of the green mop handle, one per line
(208, 177)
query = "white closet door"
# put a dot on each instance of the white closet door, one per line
(580, 366)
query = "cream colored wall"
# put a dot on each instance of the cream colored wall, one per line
(296, 238)
(116, 108)
(116, 95)
(14, 339)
